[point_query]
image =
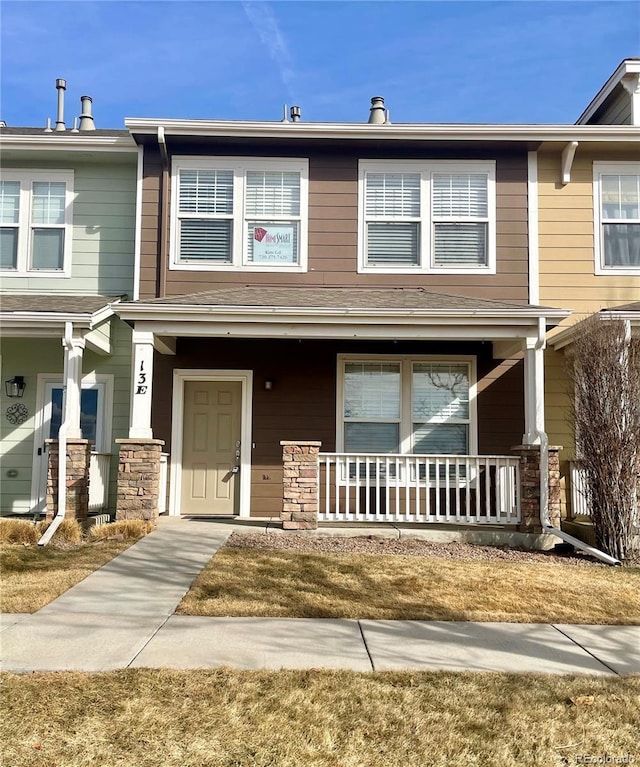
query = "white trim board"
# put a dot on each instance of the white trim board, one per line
(182, 375)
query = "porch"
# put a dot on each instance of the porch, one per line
(416, 402)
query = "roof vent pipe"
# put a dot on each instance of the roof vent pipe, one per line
(86, 118)
(377, 113)
(61, 86)
(48, 129)
(296, 114)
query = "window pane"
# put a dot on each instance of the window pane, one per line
(273, 243)
(89, 414)
(272, 193)
(371, 438)
(460, 195)
(460, 244)
(48, 202)
(393, 243)
(206, 191)
(440, 391)
(47, 248)
(440, 438)
(9, 202)
(393, 194)
(621, 244)
(371, 390)
(206, 240)
(620, 196)
(8, 248)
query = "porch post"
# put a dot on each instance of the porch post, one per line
(73, 351)
(533, 392)
(139, 479)
(300, 485)
(141, 383)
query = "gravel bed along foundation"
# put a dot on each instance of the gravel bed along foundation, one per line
(412, 547)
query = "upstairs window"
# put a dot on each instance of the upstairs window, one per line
(427, 217)
(617, 217)
(36, 222)
(239, 213)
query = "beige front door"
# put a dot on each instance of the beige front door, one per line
(211, 447)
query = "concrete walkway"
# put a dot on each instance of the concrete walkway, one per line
(123, 616)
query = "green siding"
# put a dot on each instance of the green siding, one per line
(103, 232)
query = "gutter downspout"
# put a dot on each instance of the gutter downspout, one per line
(544, 483)
(62, 445)
(164, 212)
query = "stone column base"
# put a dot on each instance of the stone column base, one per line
(300, 485)
(77, 493)
(139, 479)
(530, 486)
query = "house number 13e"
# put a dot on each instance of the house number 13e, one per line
(141, 387)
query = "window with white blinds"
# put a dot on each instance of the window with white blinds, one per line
(424, 216)
(36, 222)
(619, 218)
(407, 405)
(239, 213)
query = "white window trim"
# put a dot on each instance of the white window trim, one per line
(427, 168)
(600, 169)
(26, 178)
(406, 398)
(239, 166)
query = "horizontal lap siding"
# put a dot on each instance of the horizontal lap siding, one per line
(566, 240)
(102, 261)
(302, 403)
(333, 237)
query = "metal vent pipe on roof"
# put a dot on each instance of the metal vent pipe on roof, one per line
(86, 118)
(377, 112)
(61, 86)
(296, 114)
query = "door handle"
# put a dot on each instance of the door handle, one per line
(235, 469)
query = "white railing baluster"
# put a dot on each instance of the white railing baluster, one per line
(433, 487)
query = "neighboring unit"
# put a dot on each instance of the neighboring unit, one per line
(67, 232)
(588, 207)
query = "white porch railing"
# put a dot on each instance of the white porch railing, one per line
(99, 465)
(579, 505)
(162, 491)
(466, 489)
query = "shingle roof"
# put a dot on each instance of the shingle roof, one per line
(632, 307)
(331, 298)
(59, 304)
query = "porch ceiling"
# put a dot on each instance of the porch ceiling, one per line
(380, 313)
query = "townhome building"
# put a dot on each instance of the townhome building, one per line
(67, 233)
(341, 322)
(588, 213)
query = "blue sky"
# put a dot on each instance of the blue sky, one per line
(450, 61)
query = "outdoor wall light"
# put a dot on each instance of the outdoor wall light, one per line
(15, 386)
(268, 384)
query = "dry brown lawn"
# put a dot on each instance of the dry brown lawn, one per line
(223, 718)
(280, 583)
(32, 576)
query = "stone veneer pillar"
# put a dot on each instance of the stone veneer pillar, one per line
(78, 458)
(139, 479)
(530, 486)
(300, 485)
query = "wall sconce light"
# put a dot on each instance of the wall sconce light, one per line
(15, 386)
(268, 384)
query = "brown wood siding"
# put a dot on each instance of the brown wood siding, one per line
(333, 230)
(302, 403)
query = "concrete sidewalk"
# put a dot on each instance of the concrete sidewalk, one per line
(123, 616)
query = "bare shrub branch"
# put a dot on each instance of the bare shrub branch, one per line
(603, 367)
